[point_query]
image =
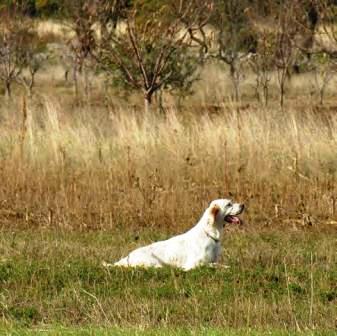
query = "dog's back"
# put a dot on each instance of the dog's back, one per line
(167, 252)
(182, 251)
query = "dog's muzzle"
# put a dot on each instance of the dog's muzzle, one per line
(234, 219)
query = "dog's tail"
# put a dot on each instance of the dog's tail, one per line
(122, 262)
(105, 264)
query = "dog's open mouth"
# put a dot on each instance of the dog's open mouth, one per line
(232, 219)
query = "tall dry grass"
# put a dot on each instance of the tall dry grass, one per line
(86, 167)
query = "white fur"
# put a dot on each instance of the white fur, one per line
(198, 246)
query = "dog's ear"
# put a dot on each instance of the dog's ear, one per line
(212, 229)
(213, 211)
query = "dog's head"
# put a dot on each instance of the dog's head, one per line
(221, 212)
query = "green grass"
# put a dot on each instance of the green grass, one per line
(58, 331)
(276, 281)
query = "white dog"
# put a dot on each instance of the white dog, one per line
(196, 247)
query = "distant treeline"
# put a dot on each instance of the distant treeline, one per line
(162, 44)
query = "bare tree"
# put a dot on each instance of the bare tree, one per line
(92, 22)
(294, 31)
(13, 40)
(235, 39)
(283, 45)
(20, 49)
(326, 40)
(261, 64)
(109, 14)
(82, 14)
(151, 53)
(324, 67)
(197, 23)
(231, 39)
(34, 63)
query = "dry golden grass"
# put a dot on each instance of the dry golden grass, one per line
(86, 167)
(58, 29)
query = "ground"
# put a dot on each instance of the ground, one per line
(277, 283)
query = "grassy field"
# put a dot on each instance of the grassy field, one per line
(81, 185)
(85, 168)
(87, 179)
(276, 281)
(58, 331)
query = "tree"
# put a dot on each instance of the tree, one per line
(234, 39)
(17, 47)
(296, 22)
(261, 63)
(196, 24)
(81, 16)
(109, 14)
(284, 55)
(35, 61)
(91, 21)
(324, 67)
(326, 42)
(152, 52)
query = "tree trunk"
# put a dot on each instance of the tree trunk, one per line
(160, 101)
(282, 76)
(257, 89)
(66, 74)
(75, 77)
(31, 84)
(265, 94)
(282, 94)
(235, 81)
(236, 90)
(321, 95)
(86, 83)
(147, 102)
(8, 90)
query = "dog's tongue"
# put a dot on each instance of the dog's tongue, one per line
(233, 219)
